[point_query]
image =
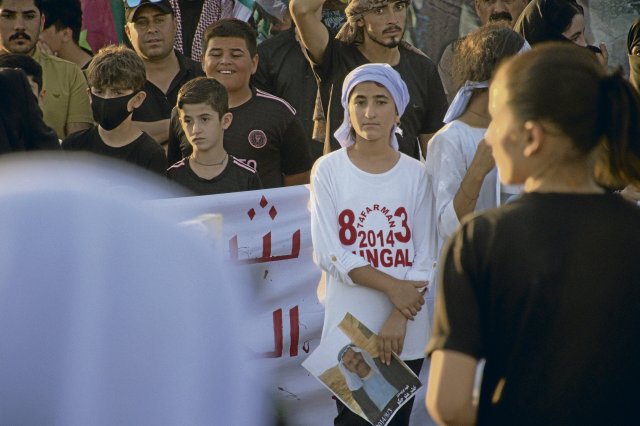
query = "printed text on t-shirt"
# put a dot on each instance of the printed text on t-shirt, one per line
(376, 245)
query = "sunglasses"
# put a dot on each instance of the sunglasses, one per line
(135, 3)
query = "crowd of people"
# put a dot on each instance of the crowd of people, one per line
(504, 176)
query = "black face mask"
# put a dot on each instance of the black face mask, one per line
(110, 113)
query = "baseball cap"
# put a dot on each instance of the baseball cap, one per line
(132, 6)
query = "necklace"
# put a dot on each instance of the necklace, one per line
(212, 164)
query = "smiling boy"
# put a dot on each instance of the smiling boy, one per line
(203, 111)
(265, 134)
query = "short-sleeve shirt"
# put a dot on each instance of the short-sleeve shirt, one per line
(284, 71)
(235, 177)
(157, 105)
(427, 105)
(547, 290)
(66, 97)
(265, 134)
(143, 151)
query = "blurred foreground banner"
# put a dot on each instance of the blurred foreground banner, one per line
(267, 233)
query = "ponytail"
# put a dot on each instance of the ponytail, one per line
(619, 124)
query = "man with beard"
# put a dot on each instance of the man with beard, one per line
(284, 71)
(487, 11)
(66, 107)
(151, 28)
(373, 33)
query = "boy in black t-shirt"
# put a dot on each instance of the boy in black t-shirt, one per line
(203, 111)
(266, 133)
(116, 76)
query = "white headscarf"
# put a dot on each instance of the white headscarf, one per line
(354, 382)
(461, 101)
(382, 74)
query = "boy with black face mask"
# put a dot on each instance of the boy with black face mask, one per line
(116, 76)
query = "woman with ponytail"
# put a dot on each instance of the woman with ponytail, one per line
(546, 289)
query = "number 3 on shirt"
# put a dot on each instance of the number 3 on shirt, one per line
(348, 235)
(404, 236)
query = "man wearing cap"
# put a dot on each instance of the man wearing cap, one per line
(373, 33)
(151, 28)
(66, 105)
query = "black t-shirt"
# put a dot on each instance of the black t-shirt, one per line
(284, 71)
(427, 106)
(190, 11)
(235, 177)
(547, 290)
(265, 134)
(157, 105)
(143, 151)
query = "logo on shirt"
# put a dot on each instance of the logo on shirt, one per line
(257, 139)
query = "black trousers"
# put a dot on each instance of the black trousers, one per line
(347, 417)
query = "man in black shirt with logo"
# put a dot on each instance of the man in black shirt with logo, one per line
(265, 133)
(203, 111)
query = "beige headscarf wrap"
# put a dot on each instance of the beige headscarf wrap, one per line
(350, 33)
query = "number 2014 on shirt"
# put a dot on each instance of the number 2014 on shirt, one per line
(349, 235)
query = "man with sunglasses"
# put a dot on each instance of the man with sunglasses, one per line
(373, 33)
(66, 106)
(151, 28)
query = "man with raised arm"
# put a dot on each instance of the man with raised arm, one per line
(373, 33)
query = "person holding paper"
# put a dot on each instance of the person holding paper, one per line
(371, 225)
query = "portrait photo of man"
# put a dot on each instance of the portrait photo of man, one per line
(368, 385)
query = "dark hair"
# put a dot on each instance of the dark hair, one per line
(546, 20)
(36, 3)
(26, 63)
(478, 55)
(63, 14)
(116, 67)
(565, 85)
(204, 90)
(230, 27)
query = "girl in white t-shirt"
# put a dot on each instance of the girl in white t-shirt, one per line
(371, 224)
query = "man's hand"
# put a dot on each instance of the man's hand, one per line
(406, 296)
(391, 336)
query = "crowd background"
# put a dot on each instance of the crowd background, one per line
(434, 23)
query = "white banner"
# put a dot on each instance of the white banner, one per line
(268, 233)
